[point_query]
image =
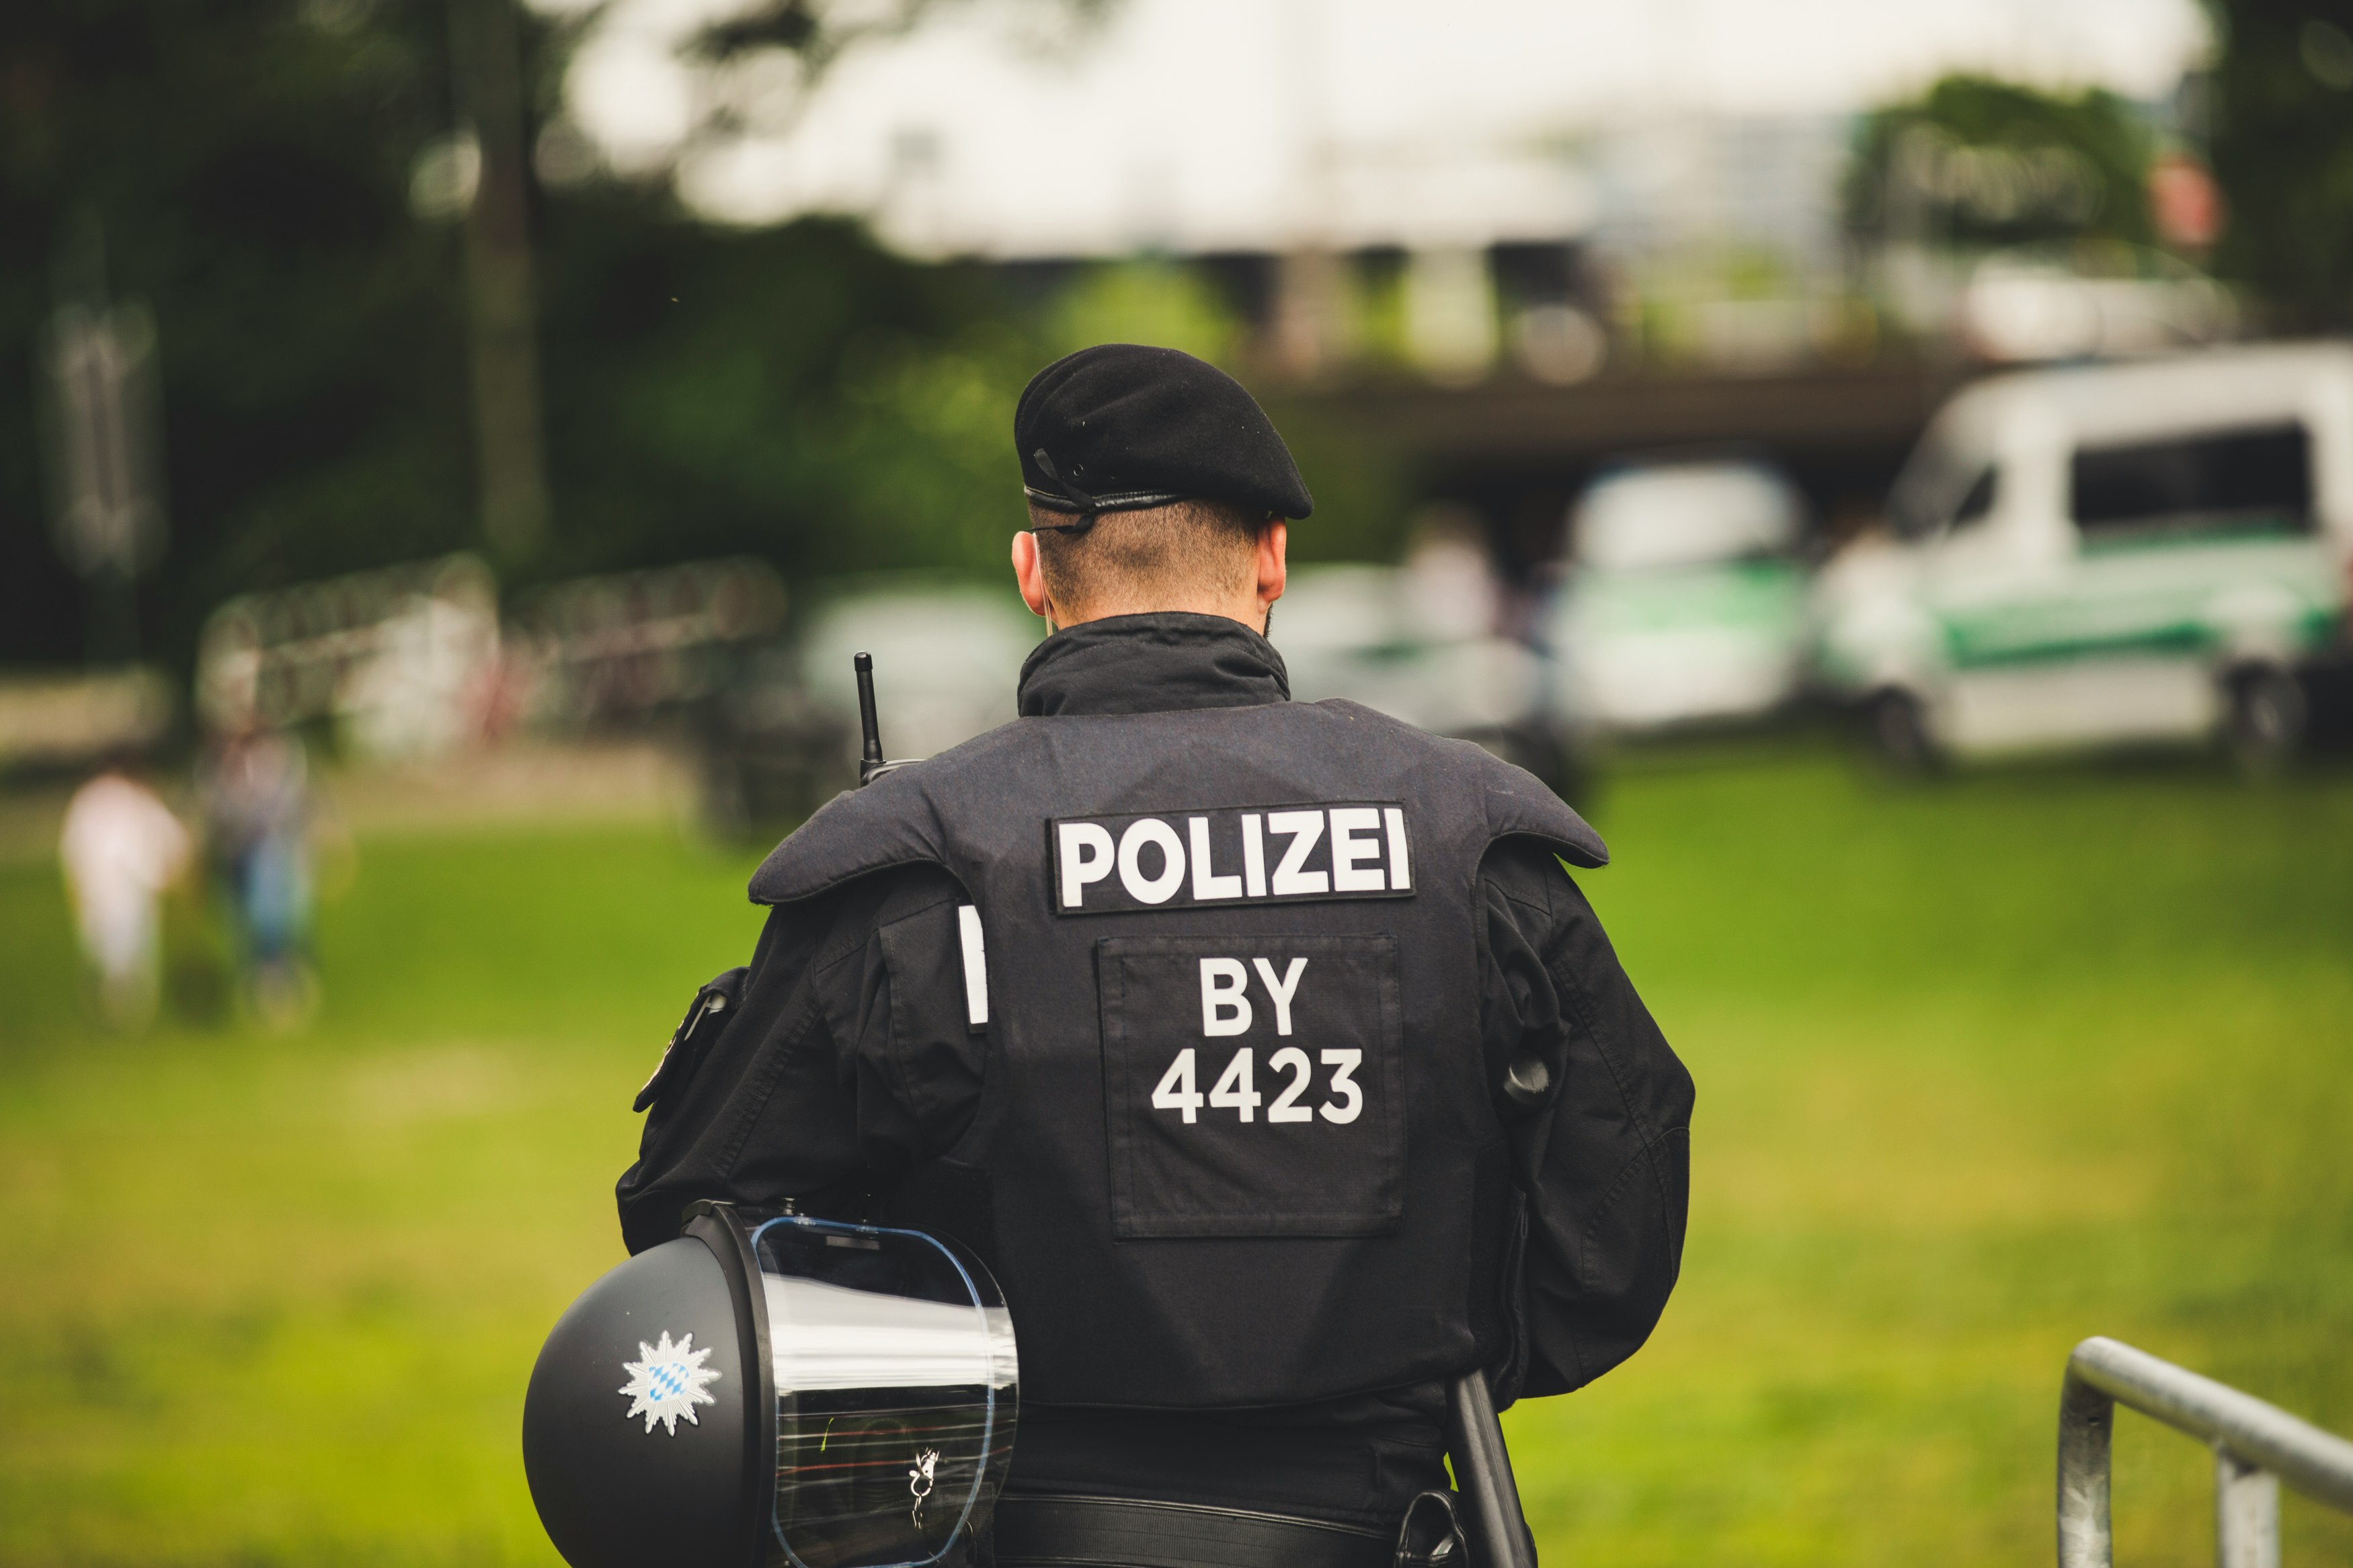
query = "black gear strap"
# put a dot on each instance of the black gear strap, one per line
(1123, 1532)
(1068, 497)
(1076, 499)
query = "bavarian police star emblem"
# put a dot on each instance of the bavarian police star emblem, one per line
(668, 1384)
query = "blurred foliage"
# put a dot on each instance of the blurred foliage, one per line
(1377, 304)
(1364, 491)
(815, 33)
(797, 393)
(1151, 300)
(2282, 150)
(247, 163)
(1975, 162)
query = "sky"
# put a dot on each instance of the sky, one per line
(1265, 124)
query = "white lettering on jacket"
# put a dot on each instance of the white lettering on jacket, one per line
(1206, 884)
(1351, 849)
(1347, 850)
(1086, 857)
(1150, 832)
(1225, 1010)
(1303, 828)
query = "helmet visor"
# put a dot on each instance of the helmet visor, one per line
(896, 1378)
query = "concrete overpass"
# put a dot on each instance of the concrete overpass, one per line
(1517, 451)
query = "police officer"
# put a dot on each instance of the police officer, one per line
(1266, 1051)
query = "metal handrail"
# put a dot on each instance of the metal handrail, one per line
(2256, 1447)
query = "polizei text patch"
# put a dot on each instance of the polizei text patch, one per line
(1234, 855)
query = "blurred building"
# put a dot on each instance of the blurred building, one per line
(1722, 238)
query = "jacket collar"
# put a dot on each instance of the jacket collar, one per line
(1151, 663)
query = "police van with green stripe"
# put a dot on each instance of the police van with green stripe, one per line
(2100, 554)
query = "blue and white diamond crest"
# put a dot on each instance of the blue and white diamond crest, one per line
(668, 1384)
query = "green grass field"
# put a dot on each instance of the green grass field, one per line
(1984, 1067)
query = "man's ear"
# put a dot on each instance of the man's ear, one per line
(1273, 568)
(1029, 575)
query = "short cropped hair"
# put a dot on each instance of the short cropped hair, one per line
(1176, 550)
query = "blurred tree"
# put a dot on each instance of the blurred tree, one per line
(278, 177)
(1978, 162)
(794, 392)
(281, 180)
(2282, 150)
(509, 452)
(247, 162)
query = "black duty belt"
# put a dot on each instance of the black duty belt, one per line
(1120, 1532)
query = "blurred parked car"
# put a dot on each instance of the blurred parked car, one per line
(783, 738)
(1399, 641)
(2147, 551)
(1684, 600)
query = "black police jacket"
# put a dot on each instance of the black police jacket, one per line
(1265, 1050)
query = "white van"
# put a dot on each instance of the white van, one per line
(1683, 599)
(2106, 553)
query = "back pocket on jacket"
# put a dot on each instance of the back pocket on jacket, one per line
(1253, 1086)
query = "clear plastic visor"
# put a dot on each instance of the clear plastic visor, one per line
(896, 1380)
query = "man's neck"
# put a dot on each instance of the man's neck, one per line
(1248, 611)
(1154, 663)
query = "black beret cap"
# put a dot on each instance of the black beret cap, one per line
(1120, 425)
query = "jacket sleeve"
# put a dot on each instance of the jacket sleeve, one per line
(1602, 1154)
(844, 1061)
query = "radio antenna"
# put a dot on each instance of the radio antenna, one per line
(871, 757)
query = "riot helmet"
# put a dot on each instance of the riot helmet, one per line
(798, 1394)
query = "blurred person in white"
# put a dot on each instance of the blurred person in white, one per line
(257, 820)
(120, 847)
